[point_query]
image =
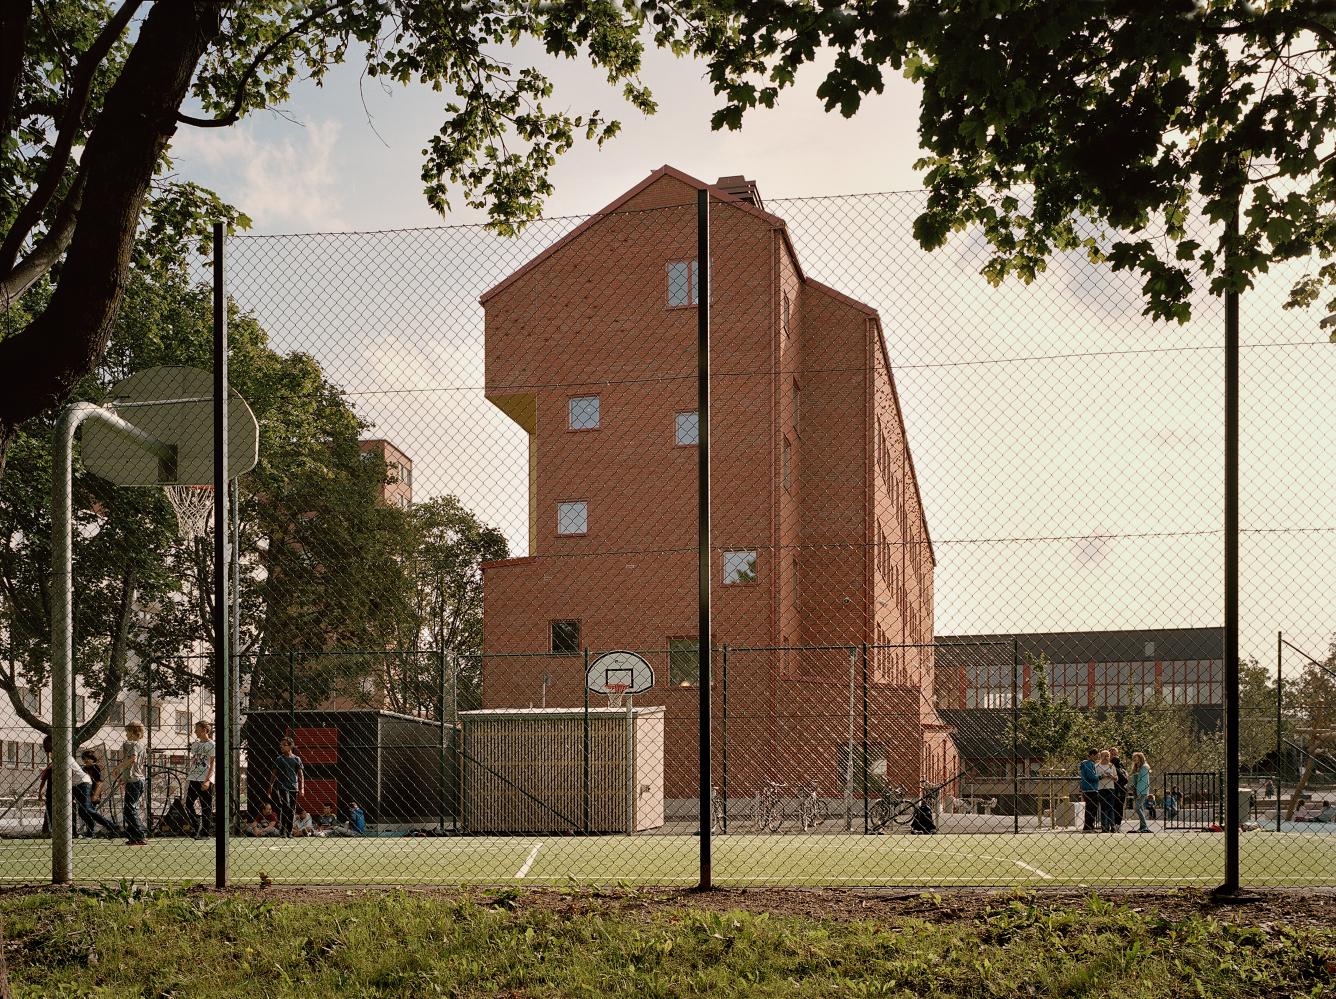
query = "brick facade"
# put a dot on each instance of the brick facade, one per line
(811, 472)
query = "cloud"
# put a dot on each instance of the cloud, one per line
(288, 181)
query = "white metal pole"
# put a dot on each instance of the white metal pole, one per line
(62, 617)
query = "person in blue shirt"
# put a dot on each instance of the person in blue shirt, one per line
(1140, 788)
(286, 785)
(356, 824)
(1090, 790)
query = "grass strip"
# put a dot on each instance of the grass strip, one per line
(125, 940)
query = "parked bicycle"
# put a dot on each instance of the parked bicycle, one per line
(768, 809)
(894, 807)
(812, 808)
(718, 813)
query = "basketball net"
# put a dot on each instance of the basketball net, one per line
(194, 509)
(616, 693)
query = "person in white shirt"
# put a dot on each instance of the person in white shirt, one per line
(131, 770)
(302, 824)
(199, 781)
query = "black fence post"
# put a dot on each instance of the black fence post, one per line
(865, 760)
(1232, 819)
(585, 683)
(723, 790)
(1280, 637)
(292, 695)
(440, 753)
(148, 742)
(221, 603)
(704, 640)
(1015, 741)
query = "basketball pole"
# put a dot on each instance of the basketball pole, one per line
(222, 692)
(1231, 790)
(703, 517)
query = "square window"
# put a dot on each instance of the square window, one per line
(183, 723)
(683, 662)
(683, 283)
(582, 412)
(573, 518)
(117, 716)
(688, 429)
(31, 699)
(565, 637)
(12, 754)
(739, 567)
(27, 754)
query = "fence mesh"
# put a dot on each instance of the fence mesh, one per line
(962, 536)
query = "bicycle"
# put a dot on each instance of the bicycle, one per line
(893, 806)
(812, 808)
(767, 811)
(718, 811)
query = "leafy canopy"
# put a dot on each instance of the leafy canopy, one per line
(1039, 114)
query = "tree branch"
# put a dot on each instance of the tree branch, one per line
(234, 114)
(13, 34)
(80, 90)
(48, 250)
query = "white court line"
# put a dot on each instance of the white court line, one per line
(1020, 863)
(529, 863)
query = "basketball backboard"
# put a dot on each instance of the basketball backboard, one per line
(619, 669)
(174, 405)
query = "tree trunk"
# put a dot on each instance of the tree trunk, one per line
(41, 364)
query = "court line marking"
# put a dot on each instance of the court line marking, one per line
(529, 863)
(1020, 863)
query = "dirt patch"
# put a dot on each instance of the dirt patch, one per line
(1295, 907)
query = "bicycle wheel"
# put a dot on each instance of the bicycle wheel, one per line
(806, 815)
(774, 815)
(902, 812)
(716, 815)
(879, 814)
(820, 810)
(761, 814)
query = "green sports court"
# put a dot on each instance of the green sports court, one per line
(1277, 859)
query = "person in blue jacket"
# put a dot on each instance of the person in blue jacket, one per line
(1090, 789)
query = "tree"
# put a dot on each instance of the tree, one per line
(88, 108)
(1055, 730)
(1039, 114)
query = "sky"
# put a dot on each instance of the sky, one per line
(347, 157)
(1091, 501)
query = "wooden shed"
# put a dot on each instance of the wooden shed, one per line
(562, 769)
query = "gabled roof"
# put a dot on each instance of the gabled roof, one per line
(718, 194)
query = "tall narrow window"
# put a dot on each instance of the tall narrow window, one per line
(683, 662)
(572, 518)
(797, 406)
(687, 431)
(582, 413)
(565, 637)
(787, 458)
(784, 318)
(683, 283)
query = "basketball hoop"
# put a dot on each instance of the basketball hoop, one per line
(616, 693)
(194, 509)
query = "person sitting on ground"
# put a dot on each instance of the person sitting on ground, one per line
(356, 824)
(301, 823)
(1328, 813)
(266, 823)
(326, 821)
(1300, 812)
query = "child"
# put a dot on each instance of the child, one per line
(88, 809)
(302, 825)
(44, 786)
(289, 776)
(199, 779)
(266, 824)
(326, 821)
(356, 824)
(132, 767)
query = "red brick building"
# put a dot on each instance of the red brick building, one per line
(820, 540)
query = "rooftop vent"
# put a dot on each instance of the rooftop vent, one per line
(741, 188)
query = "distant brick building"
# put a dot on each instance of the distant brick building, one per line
(398, 489)
(820, 537)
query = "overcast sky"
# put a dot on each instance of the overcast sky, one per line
(339, 166)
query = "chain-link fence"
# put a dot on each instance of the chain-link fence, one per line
(965, 568)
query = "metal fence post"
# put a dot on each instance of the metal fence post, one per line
(292, 694)
(1280, 636)
(440, 753)
(1015, 741)
(585, 684)
(148, 743)
(1231, 525)
(221, 560)
(723, 794)
(865, 797)
(704, 639)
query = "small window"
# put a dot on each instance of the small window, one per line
(408, 477)
(31, 699)
(688, 429)
(683, 284)
(573, 518)
(582, 412)
(739, 567)
(785, 315)
(403, 502)
(11, 754)
(207, 698)
(183, 723)
(155, 721)
(27, 754)
(565, 637)
(684, 662)
(788, 456)
(80, 708)
(117, 716)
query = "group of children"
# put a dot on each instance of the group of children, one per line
(286, 786)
